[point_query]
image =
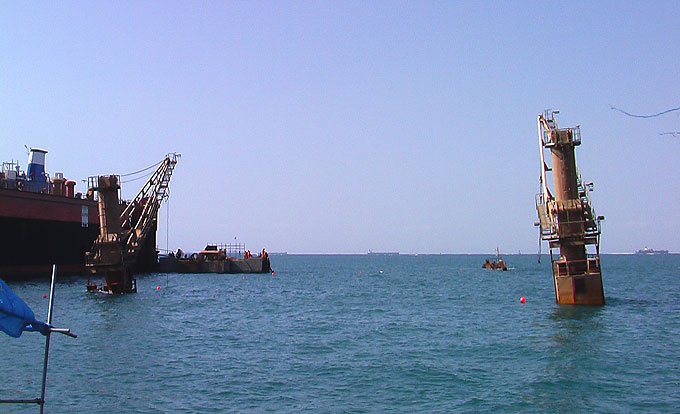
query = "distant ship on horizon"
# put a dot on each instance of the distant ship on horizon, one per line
(372, 253)
(649, 251)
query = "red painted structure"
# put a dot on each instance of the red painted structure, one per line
(39, 230)
(43, 221)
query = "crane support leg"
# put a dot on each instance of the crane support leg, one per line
(108, 256)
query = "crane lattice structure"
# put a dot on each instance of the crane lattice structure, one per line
(124, 235)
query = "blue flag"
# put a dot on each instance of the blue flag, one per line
(16, 316)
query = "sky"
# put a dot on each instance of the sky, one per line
(344, 127)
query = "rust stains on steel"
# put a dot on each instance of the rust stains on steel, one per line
(566, 217)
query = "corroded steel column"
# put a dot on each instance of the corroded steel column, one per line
(565, 184)
(108, 254)
(567, 219)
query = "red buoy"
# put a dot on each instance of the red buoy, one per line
(522, 300)
(158, 287)
(44, 295)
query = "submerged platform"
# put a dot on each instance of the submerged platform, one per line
(230, 265)
(215, 259)
(252, 265)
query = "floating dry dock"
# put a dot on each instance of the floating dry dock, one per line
(216, 259)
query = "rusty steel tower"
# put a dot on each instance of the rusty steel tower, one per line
(125, 235)
(567, 220)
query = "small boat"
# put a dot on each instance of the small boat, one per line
(495, 264)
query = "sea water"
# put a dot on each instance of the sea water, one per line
(358, 334)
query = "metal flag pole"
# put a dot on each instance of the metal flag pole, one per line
(47, 339)
(46, 329)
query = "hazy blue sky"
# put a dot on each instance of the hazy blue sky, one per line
(341, 126)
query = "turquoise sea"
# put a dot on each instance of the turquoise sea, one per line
(358, 334)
